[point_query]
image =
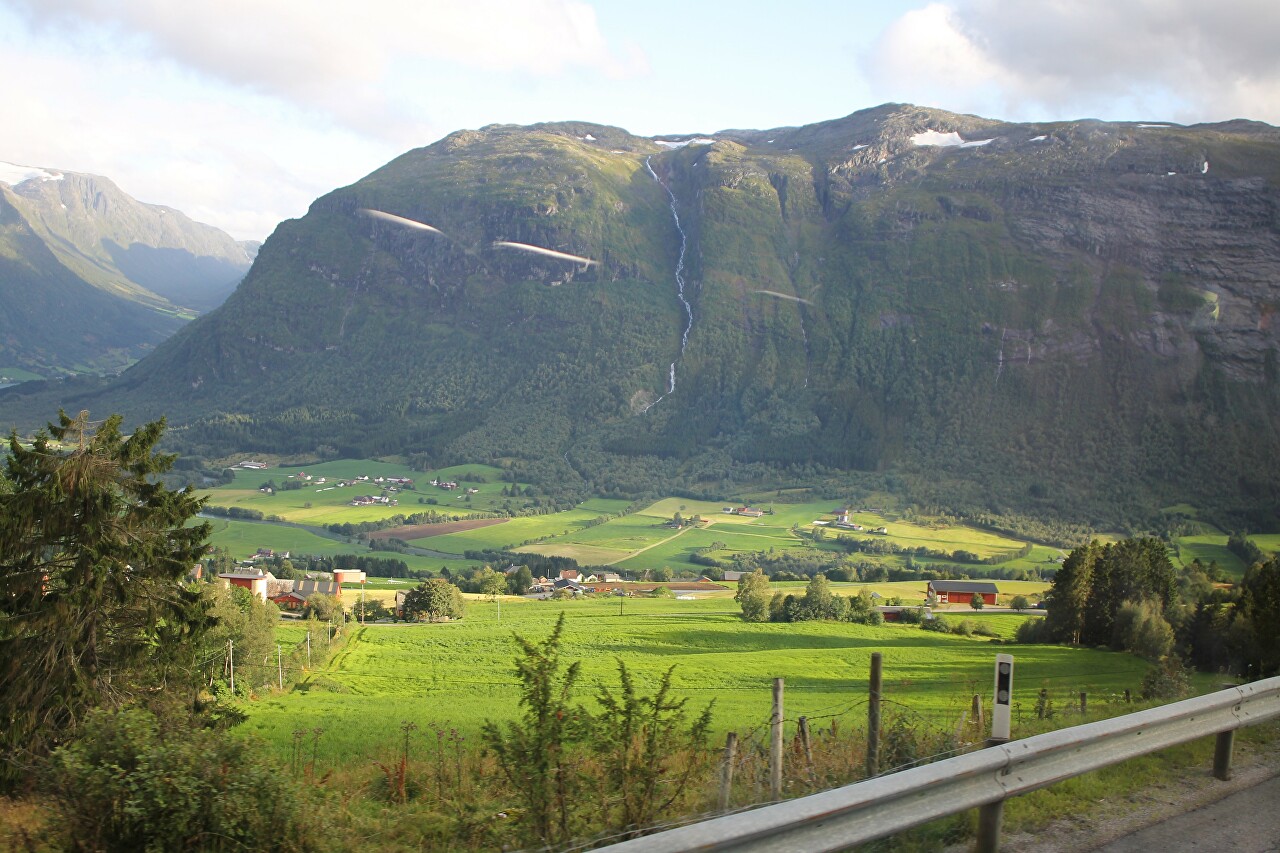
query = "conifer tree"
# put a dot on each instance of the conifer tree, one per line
(93, 609)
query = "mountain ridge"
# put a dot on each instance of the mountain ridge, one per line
(161, 264)
(1039, 317)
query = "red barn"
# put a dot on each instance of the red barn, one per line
(961, 592)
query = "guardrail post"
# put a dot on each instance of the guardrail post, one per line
(775, 743)
(873, 716)
(1222, 747)
(990, 817)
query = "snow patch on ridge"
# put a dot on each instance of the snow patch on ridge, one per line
(1040, 138)
(945, 140)
(667, 143)
(13, 174)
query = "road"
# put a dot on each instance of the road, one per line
(1245, 822)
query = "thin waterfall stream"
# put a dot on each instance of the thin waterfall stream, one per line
(688, 309)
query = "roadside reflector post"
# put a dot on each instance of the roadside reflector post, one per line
(1002, 704)
(991, 816)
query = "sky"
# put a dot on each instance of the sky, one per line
(241, 112)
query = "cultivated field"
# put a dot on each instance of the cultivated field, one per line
(425, 531)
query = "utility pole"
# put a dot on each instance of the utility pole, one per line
(231, 659)
(308, 649)
(280, 665)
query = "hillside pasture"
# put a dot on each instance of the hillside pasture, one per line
(1210, 549)
(243, 538)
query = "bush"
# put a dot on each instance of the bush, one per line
(130, 784)
(938, 623)
(1033, 631)
(911, 615)
(1166, 680)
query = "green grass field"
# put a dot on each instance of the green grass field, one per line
(459, 674)
(512, 532)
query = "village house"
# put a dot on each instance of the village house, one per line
(296, 598)
(254, 580)
(342, 576)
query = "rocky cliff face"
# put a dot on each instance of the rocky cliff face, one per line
(1045, 317)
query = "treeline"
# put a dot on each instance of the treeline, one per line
(237, 512)
(348, 528)
(539, 564)
(1128, 596)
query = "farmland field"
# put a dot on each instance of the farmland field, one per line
(425, 531)
(459, 674)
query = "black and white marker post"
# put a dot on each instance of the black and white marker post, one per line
(991, 815)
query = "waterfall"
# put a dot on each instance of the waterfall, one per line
(688, 309)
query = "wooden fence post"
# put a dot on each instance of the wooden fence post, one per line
(1084, 703)
(806, 746)
(873, 715)
(726, 769)
(979, 719)
(775, 744)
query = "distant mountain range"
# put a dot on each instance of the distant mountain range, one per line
(91, 279)
(1073, 318)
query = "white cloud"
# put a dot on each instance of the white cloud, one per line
(241, 113)
(242, 164)
(1179, 59)
(333, 54)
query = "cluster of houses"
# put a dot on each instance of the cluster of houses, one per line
(447, 485)
(375, 500)
(289, 594)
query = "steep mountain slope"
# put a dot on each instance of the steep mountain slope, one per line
(1071, 317)
(163, 265)
(51, 320)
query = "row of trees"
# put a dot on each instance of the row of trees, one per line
(1128, 595)
(762, 604)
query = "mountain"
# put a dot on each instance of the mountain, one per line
(91, 278)
(1070, 318)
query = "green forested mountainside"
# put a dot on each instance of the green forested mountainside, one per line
(1070, 319)
(142, 269)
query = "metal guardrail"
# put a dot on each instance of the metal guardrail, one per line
(842, 817)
